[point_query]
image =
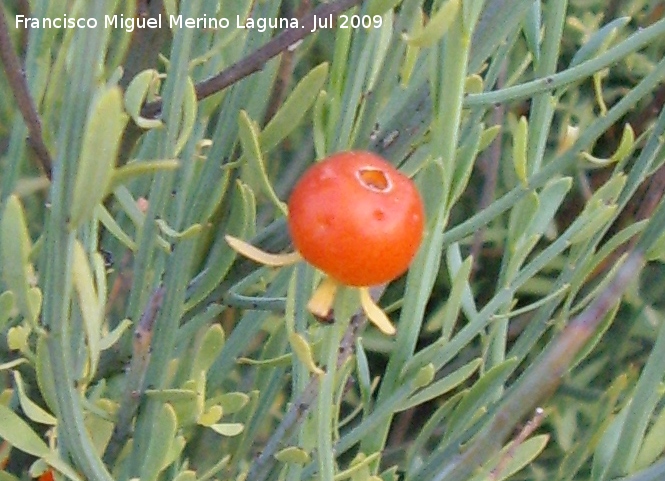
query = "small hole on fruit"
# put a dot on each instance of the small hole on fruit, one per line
(379, 214)
(374, 179)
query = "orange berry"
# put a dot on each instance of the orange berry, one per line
(357, 218)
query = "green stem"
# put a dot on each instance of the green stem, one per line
(542, 108)
(632, 44)
(326, 409)
(542, 379)
(59, 240)
(448, 105)
(585, 140)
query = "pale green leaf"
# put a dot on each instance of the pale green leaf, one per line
(294, 108)
(520, 137)
(294, 455)
(20, 435)
(162, 439)
(138, 89)
(101, 140)
(91, 311)
(228, 429)
(210, 347)
(29, 407)
(16, 245)
(437, 26)
(303, 352)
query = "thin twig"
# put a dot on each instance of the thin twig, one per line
(142, 348)
(524, 433)
(18, 84)
(540, 382)
(256, 60)
(263, 464)
(285, 71)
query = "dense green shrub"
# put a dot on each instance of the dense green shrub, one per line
(135, 343)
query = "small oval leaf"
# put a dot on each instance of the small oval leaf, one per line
(294, 455)
(228, 429)
(303, 352)
(210, 347)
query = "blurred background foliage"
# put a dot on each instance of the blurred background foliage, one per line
(134, 343)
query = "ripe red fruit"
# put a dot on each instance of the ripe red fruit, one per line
(46, 476)
(357, 218)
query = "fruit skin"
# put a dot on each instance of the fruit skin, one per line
(46, 476)
(357, 218)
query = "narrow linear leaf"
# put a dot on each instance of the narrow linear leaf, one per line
(101, 141)
(464, 162)
(189, 109)
(249, 138)
(379, 7)
(594, 44)
(172, 396)
(653, 444)
(626, 145)
(5, 366)
(220, 258)
(521, 457)
(437, 26)
(187, 475)
(549, 201)
(481, 394)
(20, 435)
(294, 108)
(262, 257)
(45, 379)
(594, 221)
(412, 52)
(303, 352)
(279, 361)
(139, 88)
(91, 311)
(132, 170)
(114, 228)
(174, 452)
(16, 245)
(531, 26)
(445, 319)
(163, 436)
(359, 464)
(487, 136)
(191, 231)
(112, 337)
(442, 386)
(32, 410)
(519, 149)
